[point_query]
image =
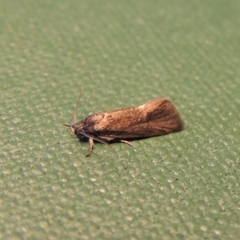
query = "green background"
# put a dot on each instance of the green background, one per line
(122, 53)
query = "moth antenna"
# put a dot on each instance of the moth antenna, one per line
(74, 117)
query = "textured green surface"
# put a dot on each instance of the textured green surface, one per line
(123, 53)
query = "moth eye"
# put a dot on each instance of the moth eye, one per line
(83, 138)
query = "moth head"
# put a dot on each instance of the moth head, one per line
(76, 128)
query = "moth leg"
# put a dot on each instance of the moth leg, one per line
(91, 145)
(128, 143)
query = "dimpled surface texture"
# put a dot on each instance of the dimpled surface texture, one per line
(122, 53)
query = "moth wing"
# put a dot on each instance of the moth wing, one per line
(156, 117)
(163, 111)
(161, 117)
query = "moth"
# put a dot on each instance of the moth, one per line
(154, 118)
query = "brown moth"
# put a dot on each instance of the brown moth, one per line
(154, 118)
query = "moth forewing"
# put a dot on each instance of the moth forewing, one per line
(164, 114)
(154, 118)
